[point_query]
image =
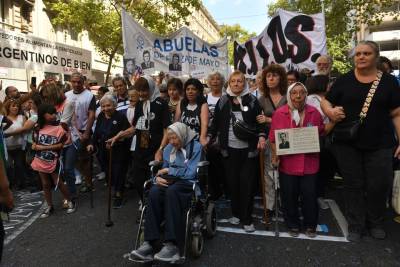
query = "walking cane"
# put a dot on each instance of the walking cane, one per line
(264, 199)
(109, 223)
(92, 187)
(276, 201)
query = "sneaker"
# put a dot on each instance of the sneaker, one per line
(71, 207)
(249, 228)
(78, 180)
(377, 233)
(311, 233)
(101, 176)
(65, 204)
(117, 204)
(144, 252)
(294, 232)
(234, 220)
(169, 253)
(47, 212)
(322, 204)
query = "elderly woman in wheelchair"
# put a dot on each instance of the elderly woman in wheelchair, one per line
(172, 194)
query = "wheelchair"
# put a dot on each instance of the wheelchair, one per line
(200, 217)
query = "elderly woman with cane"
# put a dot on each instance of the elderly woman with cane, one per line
(171, 194)
(109, 124)
(297, 172)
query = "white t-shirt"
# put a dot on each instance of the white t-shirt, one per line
(82, 103)
(16, 141)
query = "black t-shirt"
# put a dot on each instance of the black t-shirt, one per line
(152, 125)
(191, 116)
(377, 130)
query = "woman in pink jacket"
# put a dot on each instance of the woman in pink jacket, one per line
(297, 172)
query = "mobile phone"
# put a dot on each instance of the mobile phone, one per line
(33, 81)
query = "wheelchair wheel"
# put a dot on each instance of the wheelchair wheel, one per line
(197, 245)
(211, 220)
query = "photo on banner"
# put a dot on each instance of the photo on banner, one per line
(291, 39)
(181, 53)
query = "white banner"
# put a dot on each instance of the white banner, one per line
(291, 39)
(33, 53)
(181, 53)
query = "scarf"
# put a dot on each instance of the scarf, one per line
(153, 93)
(185, 134)
(295, 112)
(245, 91)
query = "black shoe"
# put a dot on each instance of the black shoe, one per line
(294, 232)
(86, 188)
(377, 233)
(117, 203)
(354, 236)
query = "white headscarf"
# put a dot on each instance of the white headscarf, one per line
(153, 94)
(185, 134)
(239, 97)
(295, 112)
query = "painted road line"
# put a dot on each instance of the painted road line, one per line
(337, 213)
(27, 209)
(281, 234)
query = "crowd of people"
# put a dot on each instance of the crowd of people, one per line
(52, 135)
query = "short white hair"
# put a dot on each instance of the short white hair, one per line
(108, 98)
(222, 78)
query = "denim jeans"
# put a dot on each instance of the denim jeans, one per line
(70, 154)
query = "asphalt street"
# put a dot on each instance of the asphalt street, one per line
(81, 239)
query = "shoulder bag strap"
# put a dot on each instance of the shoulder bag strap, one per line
(370, 96)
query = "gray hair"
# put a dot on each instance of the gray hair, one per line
(118, 78)
(108, 97)
(216, 73)
(327, 57)
(371, 44)
(78, 74)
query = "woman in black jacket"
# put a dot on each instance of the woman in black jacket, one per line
(239, 154)
(109, 124)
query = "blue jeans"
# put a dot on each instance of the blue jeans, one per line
(70, 154)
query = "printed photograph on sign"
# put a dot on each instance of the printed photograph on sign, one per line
(284, 140)
(175, 63)
(129, 66)
(297, 141)
(147, 59)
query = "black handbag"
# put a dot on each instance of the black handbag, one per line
(242, 130)
(349, 131)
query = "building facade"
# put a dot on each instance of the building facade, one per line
(31, 19)
(203, 25)
(386, 34)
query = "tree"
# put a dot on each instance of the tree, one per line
(235, 33)
(342, 18)
(102, 19)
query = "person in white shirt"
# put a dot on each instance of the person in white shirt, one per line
(81, 126)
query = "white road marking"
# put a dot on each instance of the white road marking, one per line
(22, 228)
(281, 234)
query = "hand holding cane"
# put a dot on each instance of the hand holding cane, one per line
(109, 223)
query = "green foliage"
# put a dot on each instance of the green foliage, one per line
(343, 17)
(235, 33)
(102, 19)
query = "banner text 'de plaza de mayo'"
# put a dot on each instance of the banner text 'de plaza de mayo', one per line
(180, 53)
(291, 39)
(29, 52)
